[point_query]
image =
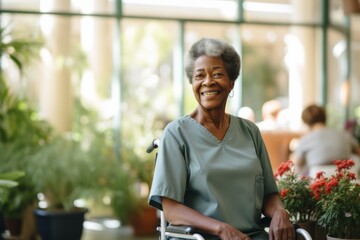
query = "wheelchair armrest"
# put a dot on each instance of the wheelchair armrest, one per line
(181, 229)
(265, 222)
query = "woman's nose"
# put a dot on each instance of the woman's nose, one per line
(208, 81)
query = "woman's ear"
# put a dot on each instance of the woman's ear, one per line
(232, 84)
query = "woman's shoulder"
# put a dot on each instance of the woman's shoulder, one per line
(181, 124)
(181, 121)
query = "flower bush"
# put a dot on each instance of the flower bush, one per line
(339, 201)
(295, 193)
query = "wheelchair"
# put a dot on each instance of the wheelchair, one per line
(169, 232)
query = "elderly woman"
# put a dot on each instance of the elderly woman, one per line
(212, 170)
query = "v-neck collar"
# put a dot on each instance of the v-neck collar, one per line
(212, 136)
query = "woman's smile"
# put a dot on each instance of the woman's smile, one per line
(210, 93)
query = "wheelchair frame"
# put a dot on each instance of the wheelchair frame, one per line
(187, 232)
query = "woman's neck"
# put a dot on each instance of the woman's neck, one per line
(215, 122)
(217, 119)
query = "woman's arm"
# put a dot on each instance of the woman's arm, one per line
(179, 214)
(281, 227)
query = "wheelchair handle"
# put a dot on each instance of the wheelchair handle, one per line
(154, 144)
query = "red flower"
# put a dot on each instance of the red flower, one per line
(283, 192)
(331, 184)
(284, 168)
(317, 187)
(295, 193)
(351, 176)
(337, 198)
(343, 164)
(319, 175)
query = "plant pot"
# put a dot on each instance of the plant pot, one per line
(332, 238)
(320, 233)
(310, 227)
(144, 221)
(60, 225)
(13, 225)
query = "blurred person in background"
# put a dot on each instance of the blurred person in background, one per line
(321, 144)
(269, 112)
(247, 113)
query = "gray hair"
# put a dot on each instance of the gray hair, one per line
(214, 48)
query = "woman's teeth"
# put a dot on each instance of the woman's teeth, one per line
(209, 93)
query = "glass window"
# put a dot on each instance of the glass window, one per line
(299, 11)
(264, 72)
(355, 70)
(336, 12)
(70, 81)
(280, 63)
(149, 99)
(337, 77)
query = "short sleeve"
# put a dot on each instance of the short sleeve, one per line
(170, 174)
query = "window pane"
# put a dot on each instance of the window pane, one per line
(299, 11)
(336, 13)
(189, 9)
(264, 71)
(280, 63)
(149, 99)
(70, 82)
(355, 70)
(336, 78)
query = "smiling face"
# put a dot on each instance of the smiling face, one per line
(211, 84)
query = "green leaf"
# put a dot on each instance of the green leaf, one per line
(7, 183)
(14, 175)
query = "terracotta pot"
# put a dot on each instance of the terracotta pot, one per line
(14, 226)
(144, 221)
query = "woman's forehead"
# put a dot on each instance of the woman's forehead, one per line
(205, 61)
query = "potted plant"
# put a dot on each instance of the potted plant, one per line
(134, 210)
(21, 130)
(60, 171)
(338, 201)
(297, 196)
(144, 219)
(8, 180)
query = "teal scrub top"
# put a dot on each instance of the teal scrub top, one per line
(225, 180)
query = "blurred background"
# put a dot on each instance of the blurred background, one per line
(108, 76)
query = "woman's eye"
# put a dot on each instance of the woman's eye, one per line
(217, 75)
(198, 76)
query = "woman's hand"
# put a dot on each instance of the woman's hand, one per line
(227, 232)
(281, 227)
(179, 214)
